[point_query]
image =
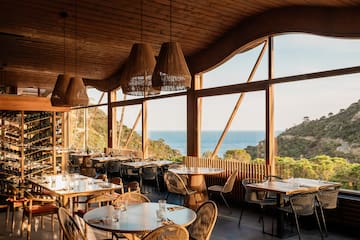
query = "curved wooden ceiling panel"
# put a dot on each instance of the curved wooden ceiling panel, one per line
(32, 41)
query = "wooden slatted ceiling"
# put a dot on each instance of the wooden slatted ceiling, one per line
(31, 32)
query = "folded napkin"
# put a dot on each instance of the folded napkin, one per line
(167, 222)
(94, 221)
(175, 208)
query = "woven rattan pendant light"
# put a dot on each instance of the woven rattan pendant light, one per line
(136, 76)
(171, 72)
(62, 82)
(76, 93)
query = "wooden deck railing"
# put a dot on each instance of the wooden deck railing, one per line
(245, 170)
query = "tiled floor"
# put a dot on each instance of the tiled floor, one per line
(226, 227)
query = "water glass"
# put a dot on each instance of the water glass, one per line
(162, 204)
(160, 214)
(122, 205)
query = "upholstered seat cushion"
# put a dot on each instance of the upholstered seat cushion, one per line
(216, 188)
(43, 209)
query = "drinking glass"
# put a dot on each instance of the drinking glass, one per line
(162, 204)
(161, 212)
(122, 205)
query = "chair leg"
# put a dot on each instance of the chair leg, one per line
(7, 216)
(29, 226)
(318, 221)
(262, 219)
(227, 205)
(297, 225)
(157, 184)
(22, 225)
(241, 213)
(12, 219)
(323, 220)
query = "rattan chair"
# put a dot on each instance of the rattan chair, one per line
(118, 181)
(95, 201)
(226, 188)
(71, 229)
(132, 198)
(176, 185)
(86, 231)
(102, 177)
(88, 171)
(255, 197)
(327, 199)
(168, 232)
(204, 223)
(302, 205)
(133, 186)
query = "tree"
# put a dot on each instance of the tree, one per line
(238, 154)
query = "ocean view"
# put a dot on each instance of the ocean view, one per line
(209, 139)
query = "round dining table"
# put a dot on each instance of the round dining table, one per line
(197, 182)
(138, 218)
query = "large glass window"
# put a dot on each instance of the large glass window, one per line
(304, 53)
(77, 129)
(97, 131)
(167, 128)
(96, 97)
(128, 133)
(237, 69)
(247, 127)
(320, 138)
(318, 118)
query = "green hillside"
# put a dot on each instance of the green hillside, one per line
(97, 136)
(336, 135)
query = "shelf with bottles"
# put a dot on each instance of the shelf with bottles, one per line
(36, 168)
(39, 156)
(32, 117)
(36, 139)
(11, 131)
(28, 142)
(11, 117)
(11, 166)
(38, 128)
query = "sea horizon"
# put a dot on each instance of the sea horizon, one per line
(236, 139)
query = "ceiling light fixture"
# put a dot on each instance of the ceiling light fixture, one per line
(171, 72)
(136, 76)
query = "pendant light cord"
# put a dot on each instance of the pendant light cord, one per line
(141, 21)
(75, 38)
(64, 15)
(170, 20)
(64, 35)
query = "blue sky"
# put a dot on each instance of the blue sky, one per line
(294, 54)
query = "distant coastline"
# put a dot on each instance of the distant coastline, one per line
(233, 140)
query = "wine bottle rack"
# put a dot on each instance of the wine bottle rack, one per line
(29, 141)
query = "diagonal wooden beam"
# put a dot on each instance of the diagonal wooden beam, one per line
(239, 101)
(133, 128)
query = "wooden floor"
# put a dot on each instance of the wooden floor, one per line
(226, 226)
